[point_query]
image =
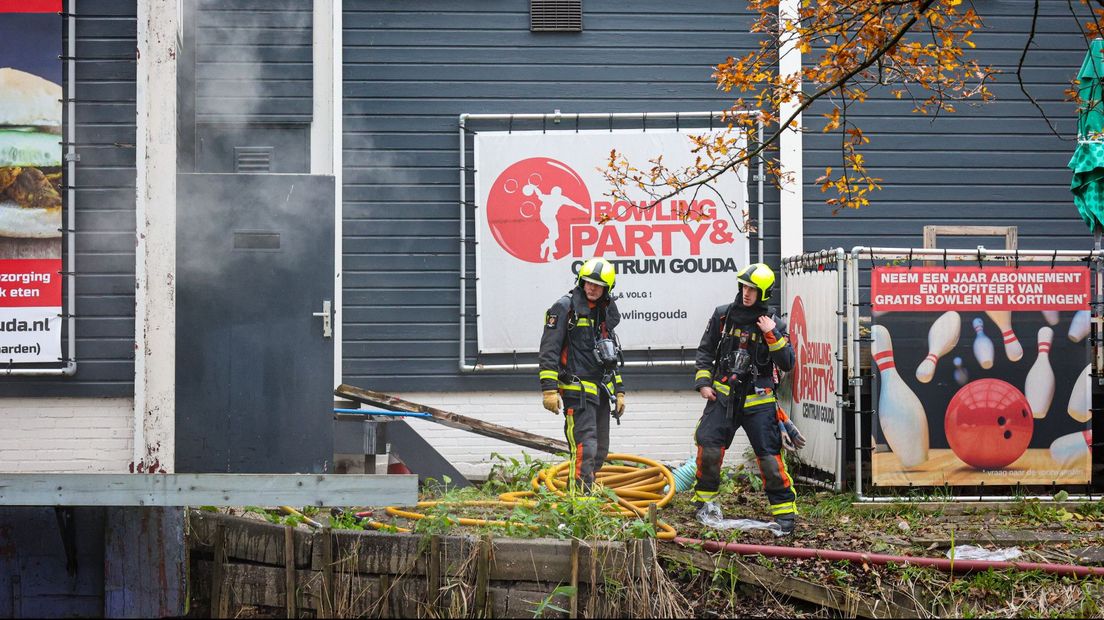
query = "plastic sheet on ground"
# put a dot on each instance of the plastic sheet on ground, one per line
(970, 552)
(710, 515)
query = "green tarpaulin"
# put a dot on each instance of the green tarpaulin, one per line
(1088, 160)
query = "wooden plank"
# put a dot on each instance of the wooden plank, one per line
(207, 490)
(1003, 537)
(521, 603)
(289, 572)
(329, 587)
(959, 507)
(385, 595)
(574, 609)
(453, 420)
(251, 540)
(1089, 555)
(252, 584)
(217, 581)
(547, 560)
(1010, 234)
(482, 574)
(144, 562)
(850, 603)
(433, 575)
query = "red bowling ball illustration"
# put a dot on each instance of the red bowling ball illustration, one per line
(989, 424)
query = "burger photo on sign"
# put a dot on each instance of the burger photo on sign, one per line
(30, 156)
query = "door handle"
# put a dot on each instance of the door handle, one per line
(327, 321)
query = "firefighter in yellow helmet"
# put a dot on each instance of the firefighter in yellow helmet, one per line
(741, 353)
(580, 360)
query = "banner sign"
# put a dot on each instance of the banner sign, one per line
(969, 392)
(974, 288)
(542, 210)
(30, 181)
(809, 391)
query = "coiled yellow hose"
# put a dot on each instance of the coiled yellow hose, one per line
(635, 488)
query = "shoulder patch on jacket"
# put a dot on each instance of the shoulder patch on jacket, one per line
(550, 320)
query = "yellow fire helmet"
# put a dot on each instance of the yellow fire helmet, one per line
(599, 271)
(758, 275)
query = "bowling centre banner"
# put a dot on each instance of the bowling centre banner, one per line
(809, 391)
(30, 181)
(542, 209)
(983, 375)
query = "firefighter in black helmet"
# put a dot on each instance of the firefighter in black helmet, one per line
(580, 360)
(741, 352)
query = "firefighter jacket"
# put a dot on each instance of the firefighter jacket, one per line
(567, 359)
(768, 352)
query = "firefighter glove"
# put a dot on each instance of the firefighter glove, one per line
(620, 410)
(552, 401)
(792, 439)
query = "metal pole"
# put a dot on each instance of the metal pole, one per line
(841, 310)
(463, 248)
(854, 378)
(759, 220)
(604, 115)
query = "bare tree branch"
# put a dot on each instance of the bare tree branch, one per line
(1019, 75)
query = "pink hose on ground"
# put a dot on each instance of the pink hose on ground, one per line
(959, 566)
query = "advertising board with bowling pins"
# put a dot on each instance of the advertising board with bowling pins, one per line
(982, 375)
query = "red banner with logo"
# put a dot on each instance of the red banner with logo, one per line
(897, 289)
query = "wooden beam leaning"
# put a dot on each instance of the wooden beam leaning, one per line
(207, 489)
(453, 420)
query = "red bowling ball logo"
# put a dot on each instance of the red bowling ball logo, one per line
(533, 204)
(989, 424)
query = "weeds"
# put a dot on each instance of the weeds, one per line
(546, 603)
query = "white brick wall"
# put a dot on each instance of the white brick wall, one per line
(66, 435)
(657, 424)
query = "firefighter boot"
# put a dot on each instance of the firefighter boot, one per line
(787, 522)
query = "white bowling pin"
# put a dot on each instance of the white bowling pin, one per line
(1039, 386)
(1012, 347)
(960, 375)
(1079, 326)
(900, 413)
(983, 346)
(1051, 316)
(1080, 397)
(942, 337)
(1068, 449)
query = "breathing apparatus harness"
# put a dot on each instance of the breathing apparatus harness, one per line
(733, 361)
(607, 352)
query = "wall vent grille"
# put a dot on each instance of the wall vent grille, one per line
(252, 159)
(556, 15)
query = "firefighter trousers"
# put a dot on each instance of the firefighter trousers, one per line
(714, 435)
(586, 426)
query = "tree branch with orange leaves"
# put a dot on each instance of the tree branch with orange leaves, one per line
(861, 46)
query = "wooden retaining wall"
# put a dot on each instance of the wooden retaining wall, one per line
(237, 563)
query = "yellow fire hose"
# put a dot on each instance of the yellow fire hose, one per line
(635, 488)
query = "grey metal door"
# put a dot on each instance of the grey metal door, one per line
(255, 278)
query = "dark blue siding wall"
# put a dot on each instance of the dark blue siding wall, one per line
(253, 61)
(986, 164)
(105, 135)
(409, 70)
